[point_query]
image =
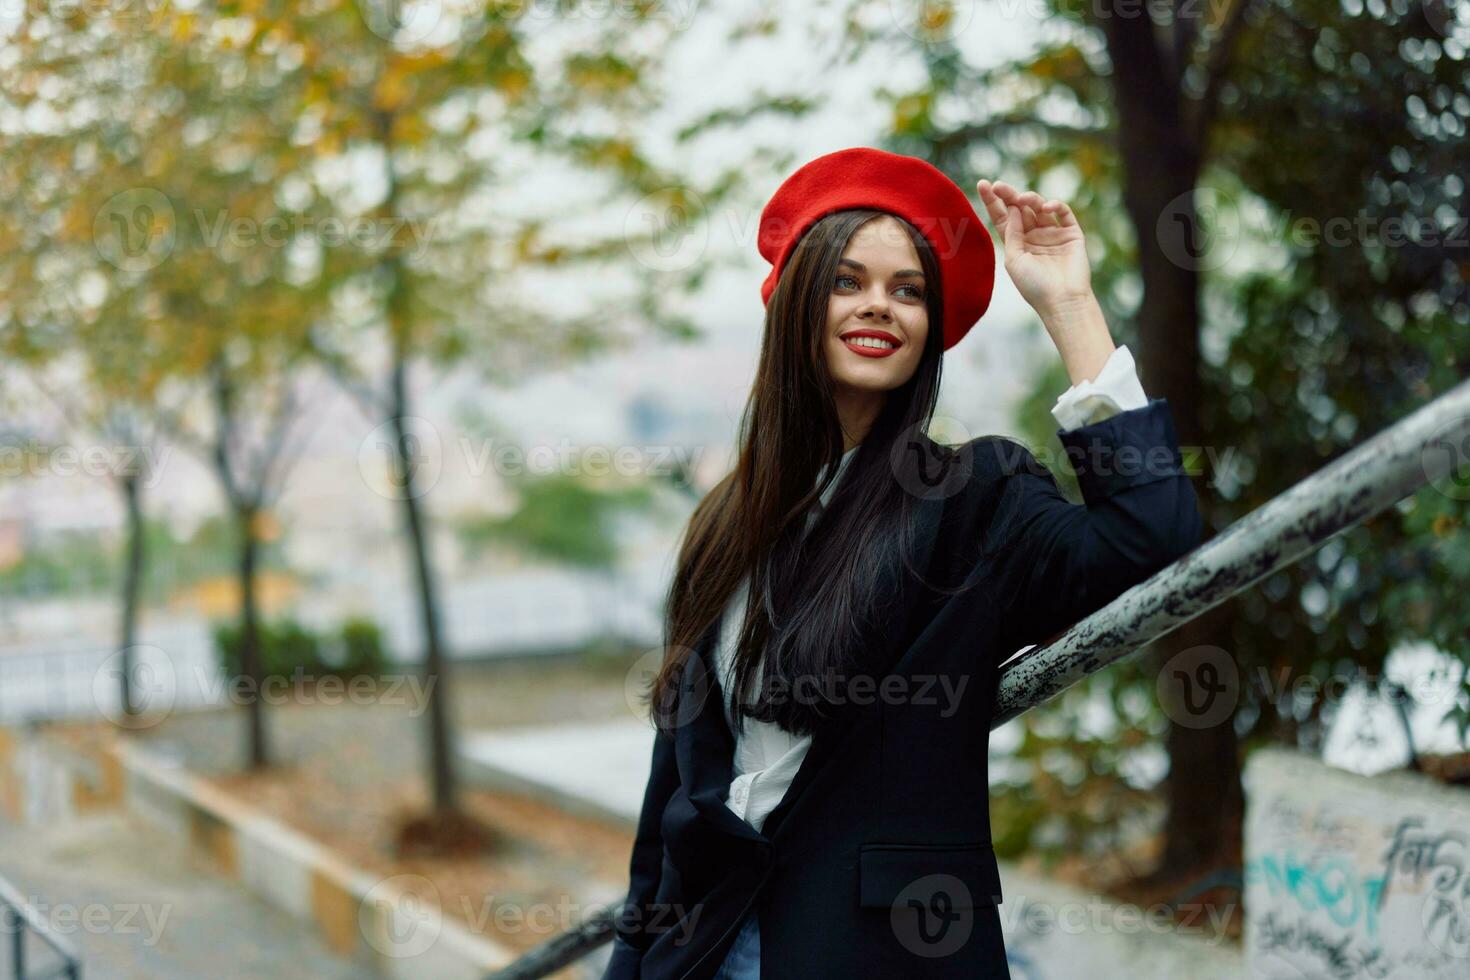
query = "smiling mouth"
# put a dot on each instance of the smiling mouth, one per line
(870, 343)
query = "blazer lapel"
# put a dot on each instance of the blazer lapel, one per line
(704, 747)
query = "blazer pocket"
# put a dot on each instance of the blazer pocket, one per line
(927, 875)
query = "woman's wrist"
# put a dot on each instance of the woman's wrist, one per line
(1070, 311)
(1080, 332)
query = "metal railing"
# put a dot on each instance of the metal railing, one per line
(17, 918)
(1430, 444)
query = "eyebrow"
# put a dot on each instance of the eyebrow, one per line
(900, 274)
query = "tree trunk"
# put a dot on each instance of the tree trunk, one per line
(1206, 804)
(132, 590)
(444, 786)
(1161, 168)
(257, 751)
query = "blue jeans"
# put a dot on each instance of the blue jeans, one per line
(743, 961)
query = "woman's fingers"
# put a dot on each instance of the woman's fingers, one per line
(1004, 196)
(1015, 196)
(1035, 211)
(1062, 213)
(1015, 232)
(1034, 206)
(994, 206)
(1030, 199)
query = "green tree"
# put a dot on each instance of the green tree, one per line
(562, 519)
(169, 234)
(110, 377)
(421, 136)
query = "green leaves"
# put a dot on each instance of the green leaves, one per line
(560, 518)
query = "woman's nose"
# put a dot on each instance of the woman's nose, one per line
(876, 308)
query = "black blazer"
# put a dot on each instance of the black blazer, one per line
(878, 862)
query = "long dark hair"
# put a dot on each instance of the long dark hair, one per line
(812, 601)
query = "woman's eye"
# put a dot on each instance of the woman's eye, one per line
(850, 282)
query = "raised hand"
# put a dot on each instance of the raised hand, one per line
(1046, 258)
(1045, 254)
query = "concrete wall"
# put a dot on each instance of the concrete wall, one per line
(1354, 876)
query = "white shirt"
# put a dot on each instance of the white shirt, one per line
(768, 756)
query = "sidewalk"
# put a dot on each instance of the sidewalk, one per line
(135, 909)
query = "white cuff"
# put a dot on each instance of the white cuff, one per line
(1115, 389)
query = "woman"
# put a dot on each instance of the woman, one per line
(860, 584)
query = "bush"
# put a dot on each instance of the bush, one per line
(287, 647)
(361, 649)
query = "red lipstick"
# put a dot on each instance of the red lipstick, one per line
(871, 350)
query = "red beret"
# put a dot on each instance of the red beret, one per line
(863, 177)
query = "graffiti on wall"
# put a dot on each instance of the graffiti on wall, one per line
(1353, 876)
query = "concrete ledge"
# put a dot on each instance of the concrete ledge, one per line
(590, 769)
(388, 924)
(391, 926)
(12, 793)
(1054, 930)
(45, 779)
